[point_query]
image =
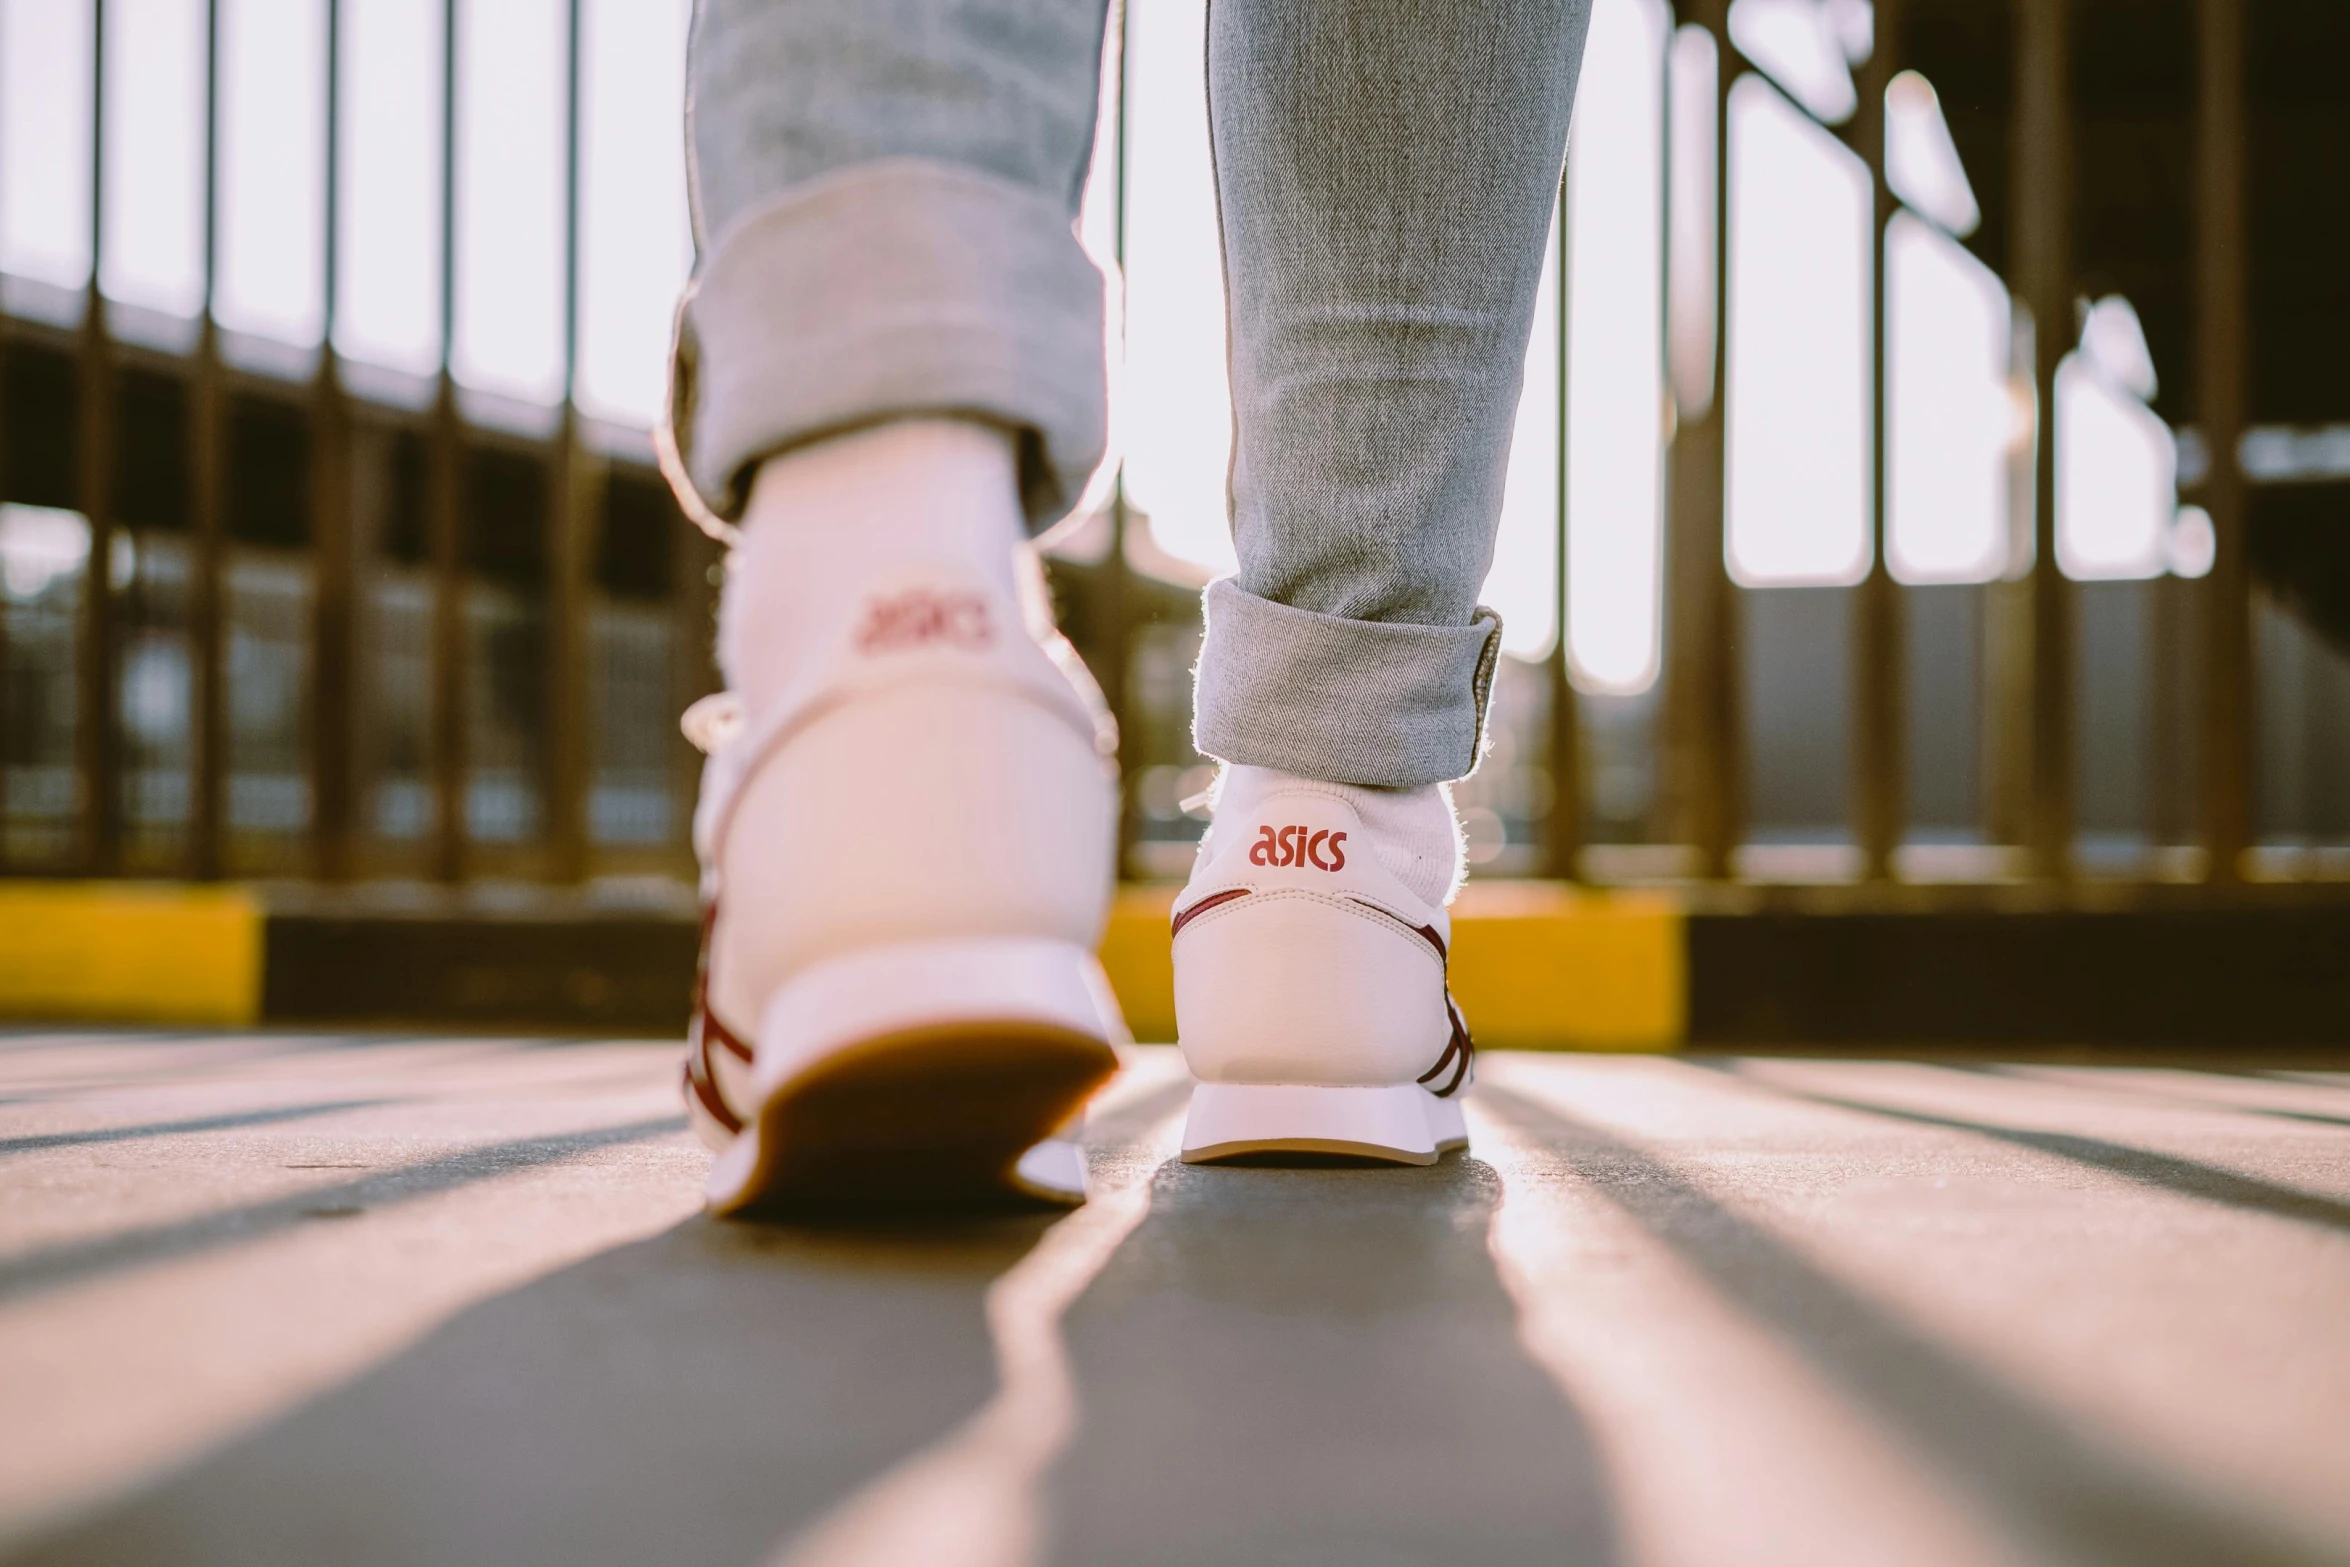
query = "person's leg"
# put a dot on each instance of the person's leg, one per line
(1386, 173)
(889, 368)
(883, 193)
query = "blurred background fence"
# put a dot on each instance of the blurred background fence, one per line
(331, 544)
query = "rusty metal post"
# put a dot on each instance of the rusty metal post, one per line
(1703, 730)
(1879, 669)
(98, 738)
(6, 717)
(444, 516)
(207, 475)
(568, 524)
(2043, 164)
(2007, 621)
(2221, 331)
(1563, 838)
(332, 656)
(1114, 639)
(570, 740)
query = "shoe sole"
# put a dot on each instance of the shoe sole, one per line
(1400, 1123)
(926, 1076)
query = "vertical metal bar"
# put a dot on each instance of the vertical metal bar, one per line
(1704, 738)
(332, 549)
(7, 715)
(697, 568)
(2043, 163)
(2007, 622)
(1563, 845)
(2168, 751)
(1114, 645)
(443, 503)
(2227, 695)
(1879, 681)
(568, 526)
(207, 466)
(98, 740)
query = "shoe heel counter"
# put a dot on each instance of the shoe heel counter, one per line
(929, 812)
(1290, 987)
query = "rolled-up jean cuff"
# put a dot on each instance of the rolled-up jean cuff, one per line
(1346, 701)
(902, 286)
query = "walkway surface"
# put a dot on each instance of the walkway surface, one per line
(293, 1299)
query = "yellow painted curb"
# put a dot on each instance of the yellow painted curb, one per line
(1544, 966)
(1535, 965)
(130, 952)
(1139, 960)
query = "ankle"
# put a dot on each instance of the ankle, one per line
(824, 516)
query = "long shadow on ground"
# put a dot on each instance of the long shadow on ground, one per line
(690, 1398)
(2071, 1493)
(1294, 1366)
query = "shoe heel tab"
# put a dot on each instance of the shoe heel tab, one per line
(1296, 801)
(1294, 829)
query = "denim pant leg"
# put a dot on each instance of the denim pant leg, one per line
(1386, 171)
(884, 193)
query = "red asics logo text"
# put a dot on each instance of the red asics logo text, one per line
(1298, 846)
(921, 616)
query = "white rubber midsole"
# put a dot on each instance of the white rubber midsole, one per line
(1402, 1119)
(847, 1000)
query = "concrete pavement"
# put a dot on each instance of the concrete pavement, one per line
(313, 1298)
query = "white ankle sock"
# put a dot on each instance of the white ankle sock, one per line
(825, 513)
(1413, 831)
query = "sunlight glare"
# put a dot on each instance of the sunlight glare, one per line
(1177, 418)
(45, 48)
(272, 194)
(1615, 350)
(635, 247)
(512, 60)
(154, 178)
(2116, 479)
(1952, 417)
(388, 296)
(1800, 305)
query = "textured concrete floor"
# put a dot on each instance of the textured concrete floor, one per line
(282, 1299)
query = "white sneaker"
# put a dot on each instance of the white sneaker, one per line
(1310, 991)
(907, 857)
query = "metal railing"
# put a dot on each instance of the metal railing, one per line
(477, 693)
(491, 630)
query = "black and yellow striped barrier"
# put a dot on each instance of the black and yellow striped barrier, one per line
(1536, 965)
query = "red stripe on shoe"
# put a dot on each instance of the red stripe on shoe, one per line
(727, 1039)
(1460, 1048)
(1426, 933)
(706, 1092)
(1202, 907)
(701, 1074)
(707, 1024)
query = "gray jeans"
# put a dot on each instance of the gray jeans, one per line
(883, 197)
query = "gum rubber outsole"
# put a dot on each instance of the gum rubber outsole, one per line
(931, 1117)
(1218, 1153)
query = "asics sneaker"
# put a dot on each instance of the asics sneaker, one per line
(1310, 992)
(907, 861)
